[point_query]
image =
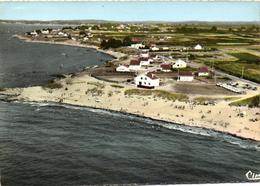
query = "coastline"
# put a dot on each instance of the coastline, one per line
(77, 91)
(116, 55)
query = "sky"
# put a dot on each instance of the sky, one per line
(131, 11)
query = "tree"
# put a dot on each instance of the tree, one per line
(111, 43)
(82, 33)
(213, 29)
(127, 41)
(38, 31)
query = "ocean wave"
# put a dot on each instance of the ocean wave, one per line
(243, 143)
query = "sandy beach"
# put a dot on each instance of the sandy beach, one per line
(87, 91)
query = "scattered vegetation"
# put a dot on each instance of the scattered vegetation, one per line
(117, 86)
(204, 100)
(95, 91)
(157, 94)
(251, 102)
(97, 84)
(53, 85)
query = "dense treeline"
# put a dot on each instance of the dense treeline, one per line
(115, 43)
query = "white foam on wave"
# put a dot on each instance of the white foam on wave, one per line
(247, 144)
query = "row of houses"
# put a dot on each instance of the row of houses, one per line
(138, 63)
(150, 80)
(156, 48)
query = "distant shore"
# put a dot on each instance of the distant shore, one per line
(116, 55)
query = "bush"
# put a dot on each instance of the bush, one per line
(53, 85)
(117, 86)
(95, 91)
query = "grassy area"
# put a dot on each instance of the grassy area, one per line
(246, 57)
(251, 102)
(251, 70)
(157, 94)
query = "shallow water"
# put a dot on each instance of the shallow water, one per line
(50, 144)
(26, 64)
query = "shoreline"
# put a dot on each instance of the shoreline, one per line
(78, 93)
(116, 55)
(67, 105)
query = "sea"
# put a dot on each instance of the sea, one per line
(53, 144)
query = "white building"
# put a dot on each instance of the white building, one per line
(185, 75)
(198, 47)
(154, 48)
(179, 64)
(123, 68)
(165, 48)
(85, 38)
(144, 54)
(203, 71)
(137, 45)
(62, 34)
(144, 61)
(45, 32)
(134, 65)
(148, 80)
(34, 33)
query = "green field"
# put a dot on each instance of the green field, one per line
(251, 102)
(245, 62)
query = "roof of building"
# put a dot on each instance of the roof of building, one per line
(123, 65)
(185, 73)
(135, 62)
(166, 66)
(203, 69)
(151, 75)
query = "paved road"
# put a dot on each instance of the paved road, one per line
(218, 72)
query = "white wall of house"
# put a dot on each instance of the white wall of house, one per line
(137, 45)
(179, 64)
(144, 55)
(146, 62)
(143, 80)
(155, 48)
(45, 31)
(185, 78)
(134, 67)
(122, 68)
(203, 74)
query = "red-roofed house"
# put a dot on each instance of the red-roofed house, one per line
(166, 67)
(148, 80)
(134, 65)
(185, 75)
(203, 71)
